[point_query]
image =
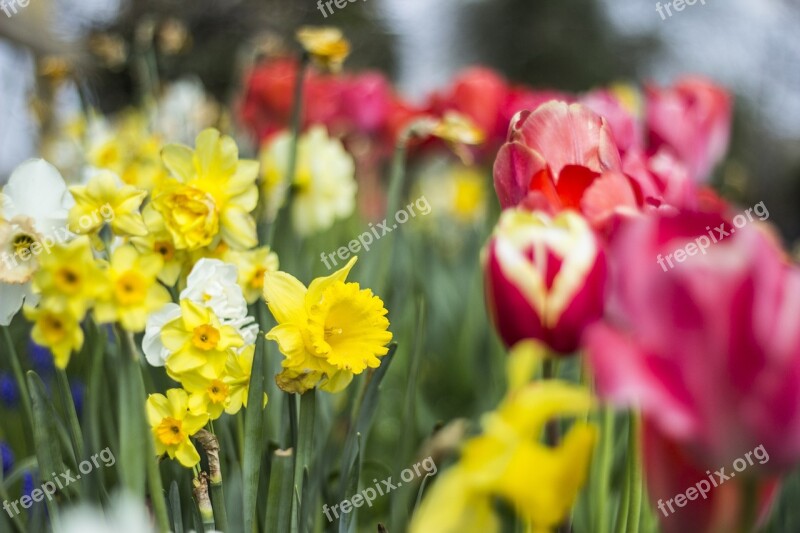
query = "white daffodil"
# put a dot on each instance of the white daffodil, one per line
(213, 284)
(126, 514)
(34, 207)
(324, 182)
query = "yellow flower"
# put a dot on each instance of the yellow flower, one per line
(507, 461)
(226, 393)
(212, 195)
(457, 128)
(159, 241)
(134, 292)
(331, 327)
(60, 332)
(198, 342)
(324, 181)
(69, 278)
(172, 424)
(104, 199)
(252, 267)
(128, 149)
(327, 46)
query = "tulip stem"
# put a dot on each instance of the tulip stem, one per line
(749, 513)
(295, 127)
(602, 473)
(635, 471)
(552, 429)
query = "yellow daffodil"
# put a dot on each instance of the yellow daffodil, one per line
(212, 195)
(127, 148)
(252, 266)
(327, 46)
(226, 393)
(333, 328)
(159, 241)
(60, 332)
(198, 342)
(508, 462)
(104, 199)
(133, 292)
(325, 186)
(172, 424)
(69, 278)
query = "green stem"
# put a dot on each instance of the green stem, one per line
(636, 479)
(305, 445)
(295, 126)
(253, 441)
(19, 377)
(375, 276)
(62, 381)
(280, 494)
(600, 487)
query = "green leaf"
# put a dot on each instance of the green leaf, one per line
(366, 413)
(253, 443)
(280, 495)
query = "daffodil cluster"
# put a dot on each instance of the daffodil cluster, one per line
(207, 344)
(328, 331)
(508, 462)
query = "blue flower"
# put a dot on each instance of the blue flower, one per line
(7, 456)
(9, 393)
(41, 359)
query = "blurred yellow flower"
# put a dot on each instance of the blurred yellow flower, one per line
(69, 278)
(60, 332)
(127, 148)
(507, 461)
(105, 199)
(252, 265)
(327, 46)
(212, 195)
(198, 342)
(325, 186)
(134, 292)
(457, 128)
(172, 424)
(332, 327)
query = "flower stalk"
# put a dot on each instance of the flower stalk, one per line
(210, 444)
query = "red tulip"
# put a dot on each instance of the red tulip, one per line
(692, 118)
(545, 278)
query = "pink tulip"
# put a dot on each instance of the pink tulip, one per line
(545, 278)
(708, 348)
(692, 118)
(564, 156)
